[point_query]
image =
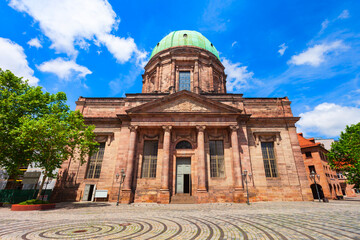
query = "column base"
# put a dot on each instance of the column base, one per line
(127, 196)
(239, 196)
(164, 196)
(202, 196)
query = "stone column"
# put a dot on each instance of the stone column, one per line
(166, 158)
(157, 83)
(164, 194)
(130, 158)
(236, 157)
(196, 77)
(172, 77)
(201, 159)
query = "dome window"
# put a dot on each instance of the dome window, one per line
(212, 45)
(185, 35)
(158, 44)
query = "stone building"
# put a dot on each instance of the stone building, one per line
(346, 189)
(314, 155)
(185, 137)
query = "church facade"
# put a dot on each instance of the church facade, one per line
(185, 137)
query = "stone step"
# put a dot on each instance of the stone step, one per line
(183, 199)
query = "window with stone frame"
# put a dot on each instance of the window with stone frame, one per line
(184, 80)
(148, 169)
(268, 153)
(95, 162)
(217, 168)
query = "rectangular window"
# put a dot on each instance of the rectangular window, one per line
(184, 81)
(149, 159)
(94, 166)
(217, 159)
(312, 168)
(269, 159)
(308, 154)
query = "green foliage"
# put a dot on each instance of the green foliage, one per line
(38, 127)
(345, 154)
(34, 202)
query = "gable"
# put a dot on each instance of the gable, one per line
(184, 102)
(183, 105)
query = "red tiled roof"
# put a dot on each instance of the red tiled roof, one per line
(304, 143)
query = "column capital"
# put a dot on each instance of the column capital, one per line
(167, 128)
(200, 128)
(133, 128)
(234, 127)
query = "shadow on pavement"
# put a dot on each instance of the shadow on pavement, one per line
(77, 205)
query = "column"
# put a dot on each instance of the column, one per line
(130, 159)
(166, 158)
(236, 157)
(157, 83)
(201, 158)
(173, 77)
(196, 77)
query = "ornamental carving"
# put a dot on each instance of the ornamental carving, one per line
(106, 137)
(267, 137)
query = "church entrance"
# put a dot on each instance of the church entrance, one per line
(183, 175)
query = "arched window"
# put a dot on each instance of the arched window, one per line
(183, 145)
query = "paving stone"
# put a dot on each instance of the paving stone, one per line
(271, 220)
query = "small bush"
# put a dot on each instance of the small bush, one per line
(33, 202)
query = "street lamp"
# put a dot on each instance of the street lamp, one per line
(313, 176)
(121, 181)
(245, 175)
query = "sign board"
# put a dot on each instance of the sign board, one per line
(31, 177)
(101, 193)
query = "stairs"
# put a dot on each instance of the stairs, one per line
(183, 199)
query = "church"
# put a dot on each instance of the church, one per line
(185, 139)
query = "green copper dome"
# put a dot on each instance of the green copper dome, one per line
(185, 38)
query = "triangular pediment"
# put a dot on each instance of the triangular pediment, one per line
(184, 102)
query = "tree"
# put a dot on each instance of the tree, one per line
(18, 100)
(38, 127)
(55, 138)
(345, 154)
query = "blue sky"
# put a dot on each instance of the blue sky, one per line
(306, 50)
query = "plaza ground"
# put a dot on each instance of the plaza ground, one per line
(260, 220)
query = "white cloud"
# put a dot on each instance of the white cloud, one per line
(282, 49)
(328, 119)
(13, 58)
(315, 55)
(235, 42)
(75, 23)
(64, 69)
(238, 77)
(324, 25)
(121, 48)
(35, 42)
(344, 14)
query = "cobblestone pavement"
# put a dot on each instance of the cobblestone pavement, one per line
(272, 220)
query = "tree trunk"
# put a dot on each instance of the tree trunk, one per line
(41, 186)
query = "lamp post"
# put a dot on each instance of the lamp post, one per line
(245, 175)
(121, 181)
(313, 176)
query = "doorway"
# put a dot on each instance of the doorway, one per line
(89, 192)
(183, 175)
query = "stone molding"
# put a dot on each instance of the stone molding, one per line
(267, 137)
(106, 137)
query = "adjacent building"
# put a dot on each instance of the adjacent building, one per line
(346, 189)
(185, 137)
(314, 155)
